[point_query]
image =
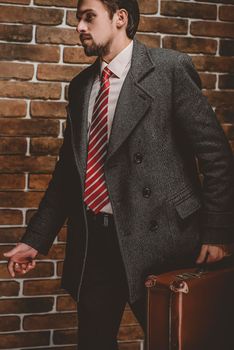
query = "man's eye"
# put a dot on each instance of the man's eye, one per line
(89, 17)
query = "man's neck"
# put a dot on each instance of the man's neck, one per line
(116, 48)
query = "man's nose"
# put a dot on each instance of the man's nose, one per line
(81, 27)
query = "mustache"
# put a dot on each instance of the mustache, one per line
(85, 36)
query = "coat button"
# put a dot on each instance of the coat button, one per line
(146, 192)
(153, 225)
(138, 157)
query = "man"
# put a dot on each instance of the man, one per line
(127, 178)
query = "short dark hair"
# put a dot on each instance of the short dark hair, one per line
(132, 7)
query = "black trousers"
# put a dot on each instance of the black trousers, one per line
(104, 290)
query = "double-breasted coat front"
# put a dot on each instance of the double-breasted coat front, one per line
(162, 125)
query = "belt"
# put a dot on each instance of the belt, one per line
(102, 219)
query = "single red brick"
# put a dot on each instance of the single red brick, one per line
(219, 98)
(11, 217)
(149, 40)
(32, 164)
(9, 288)
(20, 199)
(163, 25)
(11, 234)
(43, 109)
(226, 48)
(217, 29)
(186, 9)
(10, 145)
(65, 336)
(12, 182)
(9, 70)
(148, 6)
(214, 63)
(130, 332)
(13, 108)
(54, 321)
(30, 90)
(39, 181)
(45, 145)
(190, 45)
(26, 305)
(42, 287)
(226, 81)
(28, 127)
(40, 53)
(14, 340)
(30, 15)
(51, 35)
(61, 3)
(226, 13)
(208, 80)
(22, 2)
(76, 55)
(9, 323)
(71, 19)
(57, 72)
(66, 303)
(15, 33)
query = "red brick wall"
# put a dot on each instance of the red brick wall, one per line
(39, 55)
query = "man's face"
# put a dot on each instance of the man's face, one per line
(95, 27)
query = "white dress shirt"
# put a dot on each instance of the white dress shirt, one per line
(120, 66)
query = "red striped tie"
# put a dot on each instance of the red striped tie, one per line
(96, 193)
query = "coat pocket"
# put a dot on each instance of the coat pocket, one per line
(184, 221)
(186, 202)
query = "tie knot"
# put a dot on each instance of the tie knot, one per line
(106, 73)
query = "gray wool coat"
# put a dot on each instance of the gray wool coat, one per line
(162, 124)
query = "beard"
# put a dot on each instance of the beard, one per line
(95, 49)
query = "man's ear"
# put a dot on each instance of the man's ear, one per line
(121, 18)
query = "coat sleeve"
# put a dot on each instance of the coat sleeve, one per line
(198, 121)
(52, 211)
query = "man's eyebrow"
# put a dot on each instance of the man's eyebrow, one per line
(81, 13)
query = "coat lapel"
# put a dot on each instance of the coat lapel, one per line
(134, 99)
(79, 115)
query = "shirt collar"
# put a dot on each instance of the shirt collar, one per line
(120, 62)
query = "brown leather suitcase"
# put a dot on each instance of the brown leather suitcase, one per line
(191, 310)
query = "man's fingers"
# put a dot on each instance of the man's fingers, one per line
(21, 252)
(215, 254)
(30, 266)
(18, 268)
(11, 268)
(202, 255)
(10, 253)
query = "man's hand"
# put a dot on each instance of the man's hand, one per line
(21, 259)
(215, 252)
